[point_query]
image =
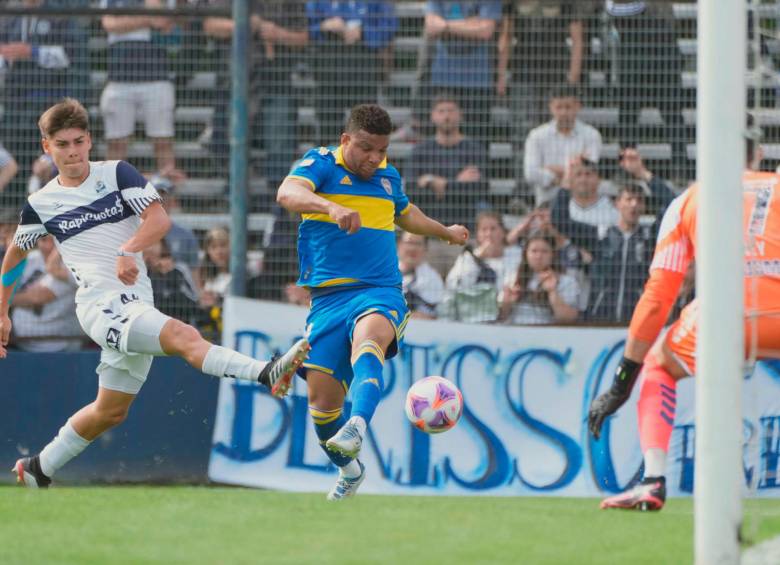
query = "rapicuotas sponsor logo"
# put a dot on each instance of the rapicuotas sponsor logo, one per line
(117, 209)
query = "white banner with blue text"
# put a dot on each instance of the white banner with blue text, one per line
(523, 431)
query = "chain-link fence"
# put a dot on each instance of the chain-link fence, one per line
(557, 131)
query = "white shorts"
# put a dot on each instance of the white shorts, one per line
(122, 104)
(111, 323)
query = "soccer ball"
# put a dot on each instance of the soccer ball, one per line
(434, 405)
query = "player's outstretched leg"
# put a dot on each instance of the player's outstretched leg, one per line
(182, 340)
(656, 409)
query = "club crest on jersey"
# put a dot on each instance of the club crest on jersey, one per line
(100, 186)
(385, 182)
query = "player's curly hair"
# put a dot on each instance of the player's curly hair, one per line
(66, 114)
(370, 118)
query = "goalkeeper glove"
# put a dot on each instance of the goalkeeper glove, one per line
(609, 402)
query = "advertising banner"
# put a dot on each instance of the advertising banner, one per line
(523, 432)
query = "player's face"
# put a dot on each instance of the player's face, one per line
(363, 152)
(69, 149)
(539, 255)
(564, 111)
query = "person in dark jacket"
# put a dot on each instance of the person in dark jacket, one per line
(622, 259)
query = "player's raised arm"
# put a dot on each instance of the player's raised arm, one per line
(415, 221)
(295, 194)
(10, 273)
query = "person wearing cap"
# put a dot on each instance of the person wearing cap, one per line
(182, 242)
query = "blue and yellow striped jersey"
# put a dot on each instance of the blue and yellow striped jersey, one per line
(328, 256)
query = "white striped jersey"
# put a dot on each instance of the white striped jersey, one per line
(89, 223)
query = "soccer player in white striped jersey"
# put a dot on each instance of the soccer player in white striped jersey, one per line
(94, 212)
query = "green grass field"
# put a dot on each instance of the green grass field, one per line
(113, 525)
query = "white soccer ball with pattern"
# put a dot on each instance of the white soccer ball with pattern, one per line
(434, 405)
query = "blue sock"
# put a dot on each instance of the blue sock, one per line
(326, 424)
(367, 384)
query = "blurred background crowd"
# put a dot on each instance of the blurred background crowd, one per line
(557, 131)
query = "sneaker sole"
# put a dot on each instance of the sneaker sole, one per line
(341, 451)
(651, 504)
(282, 386)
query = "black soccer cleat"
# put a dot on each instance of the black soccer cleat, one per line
(278, 373)
(650, 494)
(29, 474)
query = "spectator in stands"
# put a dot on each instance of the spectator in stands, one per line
(646, 64)
(658, 193)
(280, 34)
(351, 40)
(44, 311)
(540, 293)
(8, 168)
(580, 213)
(540, 44)
(43, 170)
(622, 259)
(550, 147)
(422, 285)
(175, 292)
(447, 174)
(139, 87)
(42, 59)
(462, 36)
(180, 240)
(215, 269)
(492, 261)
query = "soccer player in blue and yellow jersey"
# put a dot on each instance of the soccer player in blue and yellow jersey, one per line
(351, 199)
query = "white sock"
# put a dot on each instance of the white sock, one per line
(351, 470)
(61, 449)
(223, 362)
(655, 462)
(360, 423)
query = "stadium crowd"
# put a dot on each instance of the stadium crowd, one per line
(525, 120)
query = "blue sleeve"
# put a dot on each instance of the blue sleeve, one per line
(30, 229)
(134, 188)
(399, 197)
(490, 10)
(380, 25)
(29, 216)
(314, 16)
(432, 7)
(315, 167)
(127, 176)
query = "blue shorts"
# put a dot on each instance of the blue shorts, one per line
(332, 320)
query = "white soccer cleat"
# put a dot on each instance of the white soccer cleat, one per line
(278, 374)
(347, 441)
(346, 487)
(29, 474)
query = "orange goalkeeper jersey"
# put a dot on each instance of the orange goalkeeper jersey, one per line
(676, 248)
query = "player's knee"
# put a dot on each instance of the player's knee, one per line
(667, 361)
(179, 338)
(111, 416)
